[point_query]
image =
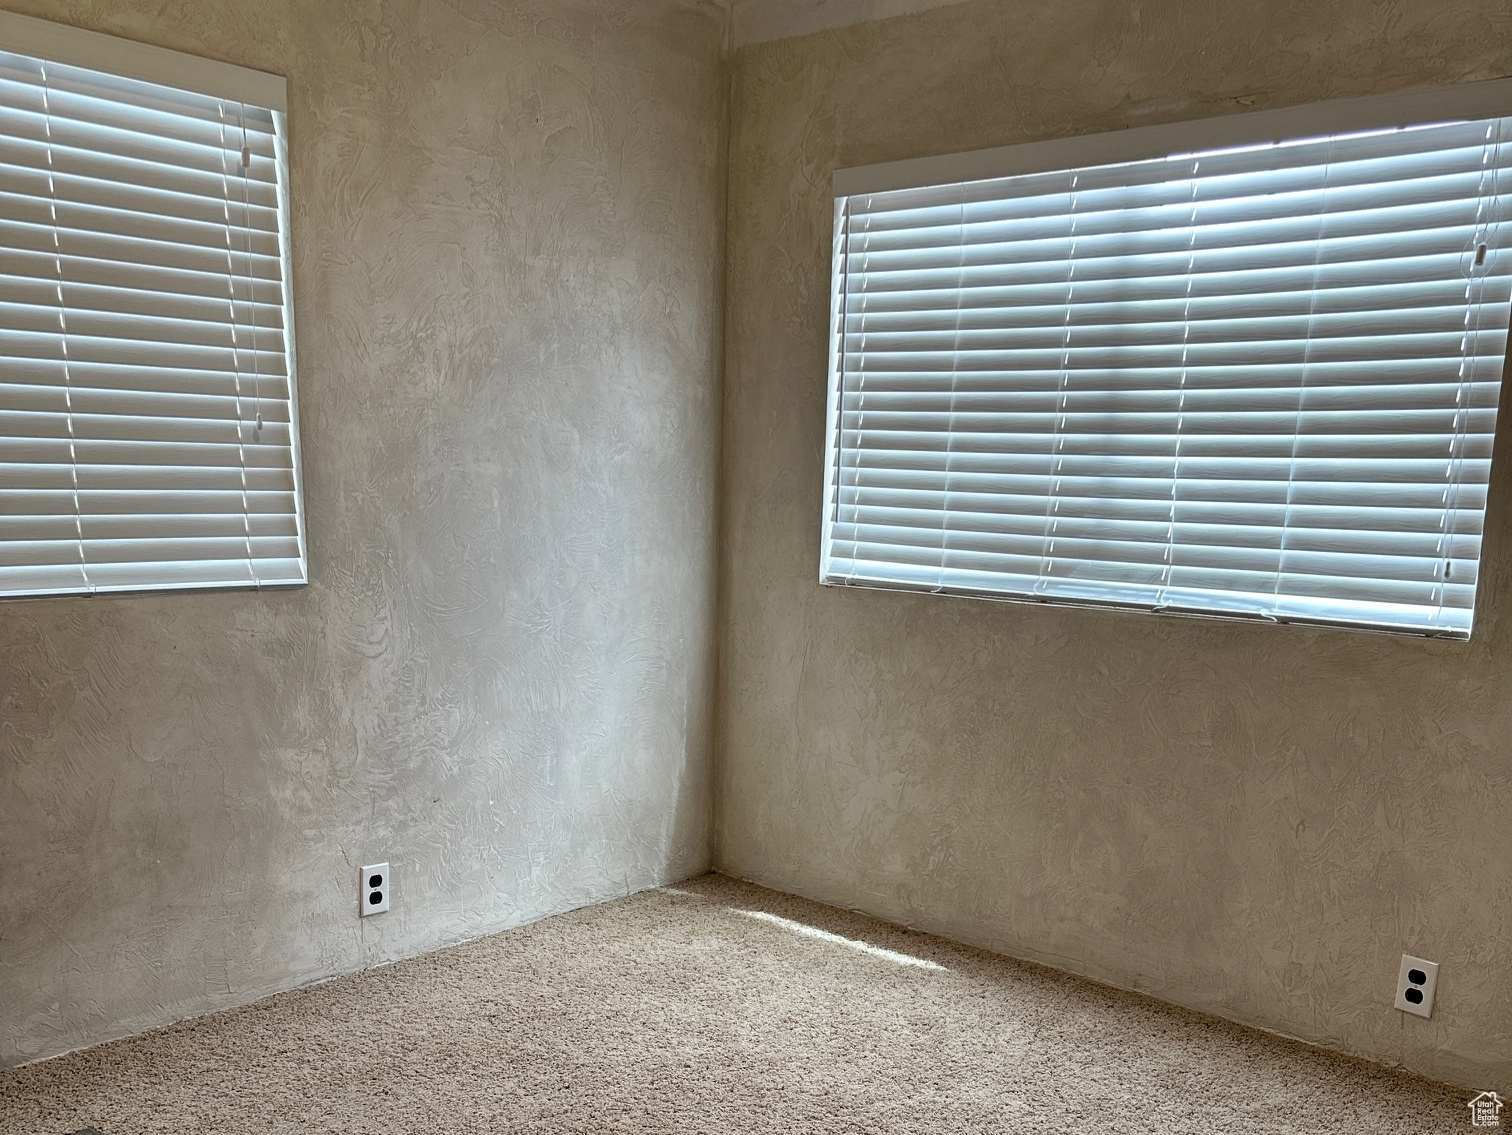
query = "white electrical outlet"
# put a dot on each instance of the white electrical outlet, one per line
(375, 883)
(1415, 985)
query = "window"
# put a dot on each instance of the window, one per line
(1248, 366)
(148, 434)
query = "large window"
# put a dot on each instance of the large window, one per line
(148, 434)
(1248, 366)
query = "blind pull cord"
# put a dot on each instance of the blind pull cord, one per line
(246, 170)
(241, 441)
(1487, 217)
(845, 310)
(1162, 597)
(73, 449)
(1062, 396)
(955, 374)
(1308, 345)
(860, 388)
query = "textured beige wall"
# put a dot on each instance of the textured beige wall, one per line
(1252, 820)
(508, 261)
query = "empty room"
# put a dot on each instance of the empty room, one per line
(755, 566)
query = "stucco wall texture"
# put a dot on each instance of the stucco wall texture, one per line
(509, 223)
(1255, 821)
(508, 234)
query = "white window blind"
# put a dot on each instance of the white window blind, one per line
(148, 433)
(1257, 376)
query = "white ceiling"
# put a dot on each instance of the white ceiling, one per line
(757, 21)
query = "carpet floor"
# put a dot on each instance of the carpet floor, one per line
(714, 1006)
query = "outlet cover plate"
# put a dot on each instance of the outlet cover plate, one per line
(373, 897)
(1428, 971)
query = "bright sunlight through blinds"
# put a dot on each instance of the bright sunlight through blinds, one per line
(147, 413)
(1255, 381)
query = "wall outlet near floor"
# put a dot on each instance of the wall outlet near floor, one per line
(375, 883)
(1415, 985)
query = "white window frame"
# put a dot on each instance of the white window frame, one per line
(1408, 108)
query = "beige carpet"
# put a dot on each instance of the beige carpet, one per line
(714, 1007)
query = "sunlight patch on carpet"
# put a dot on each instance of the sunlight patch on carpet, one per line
(826, 936)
